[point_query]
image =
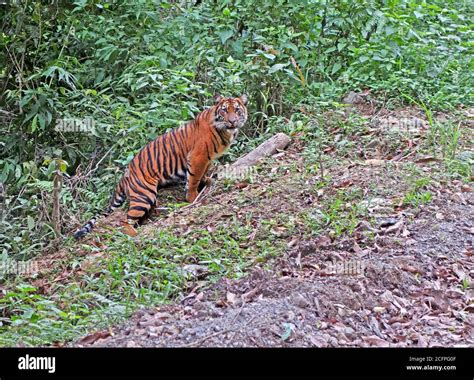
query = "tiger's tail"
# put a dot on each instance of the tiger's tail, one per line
(117, 200)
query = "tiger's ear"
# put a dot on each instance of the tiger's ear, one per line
(217, 98)
(244, 99)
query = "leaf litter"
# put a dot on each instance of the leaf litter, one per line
(411, 280)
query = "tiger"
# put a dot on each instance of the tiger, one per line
(181, 154)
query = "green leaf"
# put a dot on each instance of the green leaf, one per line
(221, 72)
(337, 66)
(269, 56)
(341, 45)
(276, 67)
(51, 168)
(418, 14)
(291, 46)
(31, 222)
(288, 330)
(25, 288)
(41, 121)
(62, 166)
(34, 123)
(225, 35)
(25, 100)
(238, 48)
(17, 171)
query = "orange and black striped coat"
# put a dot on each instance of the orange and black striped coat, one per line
(184, 153)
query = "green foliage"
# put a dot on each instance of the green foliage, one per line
(340, 214)
(129, 71)
(128, 275)
(418, 194)
(138, 68)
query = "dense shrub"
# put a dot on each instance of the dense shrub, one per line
(138, 68)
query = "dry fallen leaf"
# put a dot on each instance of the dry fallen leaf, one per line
(394, 228)
(343, 183)
(241, 185)
(374, 162)
(469, 230)
(246, 297)
(323, 241)
(293, 242)
(89, 339)
(374, 340)
(426, 159)
(200, 296)
(231, 298)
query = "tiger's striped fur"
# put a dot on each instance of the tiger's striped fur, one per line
(185, 153)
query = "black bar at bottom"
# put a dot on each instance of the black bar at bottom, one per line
(447, 363)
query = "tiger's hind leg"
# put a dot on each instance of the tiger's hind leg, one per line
(137, 211)
(155, 210)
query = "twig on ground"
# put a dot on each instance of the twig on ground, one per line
(199, 341)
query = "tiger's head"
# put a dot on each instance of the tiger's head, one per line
(231, 113)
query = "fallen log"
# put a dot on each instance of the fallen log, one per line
(272, 145)
(241, 167)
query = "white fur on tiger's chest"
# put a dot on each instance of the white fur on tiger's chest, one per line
(233, 134)
(230, 136)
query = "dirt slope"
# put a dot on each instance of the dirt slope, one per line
(369, 240)
(408, 285)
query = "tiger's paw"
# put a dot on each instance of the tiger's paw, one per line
(191, 196)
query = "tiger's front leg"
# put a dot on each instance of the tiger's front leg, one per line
(196, 179)
(205, 181)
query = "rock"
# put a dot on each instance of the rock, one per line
(349, 332)
(318, 341)
(387, 222)
(353, 98)
(196, 270)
